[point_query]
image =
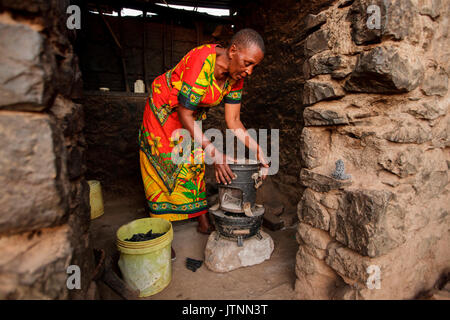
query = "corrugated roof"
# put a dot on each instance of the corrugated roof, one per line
(219, 4)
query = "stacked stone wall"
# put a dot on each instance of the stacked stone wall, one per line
(45, 213)
(378, 100)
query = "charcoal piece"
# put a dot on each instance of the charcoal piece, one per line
(191, 267)
(193, 264)
(144, 236)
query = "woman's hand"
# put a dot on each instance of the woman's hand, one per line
(265, 165)
(222, 170)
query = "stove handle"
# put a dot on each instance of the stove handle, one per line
(241, 231)
(248, 210)
(257, 178)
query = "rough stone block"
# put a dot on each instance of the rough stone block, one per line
(398, 19)
(321, 183)
(34, 265)
(404, 272)
(314, 92)
(386, 69)
(316, 42)
(435, 82)
(314, 237)
(314, 21)
(24, 71)
(314, 146)
(318, 116)
(431, 8)
(310, 265)
(328, 63)
(402, 163)
(428, 110)
(330, 200)
(31, 173)
(409, 132)
(310, 211)
(370, 222)
(441, 133)
(316, 252)
(224, 255)
(430, 185)
(315, 280)
(350, 265)
(358, 15)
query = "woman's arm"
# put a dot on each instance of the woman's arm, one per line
(233, 120)
(222, 170)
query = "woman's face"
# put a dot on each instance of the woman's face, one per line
(243, 60)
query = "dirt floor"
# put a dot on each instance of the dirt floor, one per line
(273, 279)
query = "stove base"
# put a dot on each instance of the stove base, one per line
(237, 226)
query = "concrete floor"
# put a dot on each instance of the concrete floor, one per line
(271, 280)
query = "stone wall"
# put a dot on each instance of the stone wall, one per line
(378, 100)
(45, 214)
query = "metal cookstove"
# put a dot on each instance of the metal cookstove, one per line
(236, 215)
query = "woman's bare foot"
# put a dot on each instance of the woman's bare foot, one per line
(204, 226)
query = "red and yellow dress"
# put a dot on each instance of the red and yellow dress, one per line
(177, 191)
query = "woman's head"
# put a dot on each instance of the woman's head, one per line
(245, 52)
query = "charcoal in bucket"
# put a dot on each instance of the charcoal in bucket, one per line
(144, 236)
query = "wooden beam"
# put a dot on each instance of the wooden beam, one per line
(144, 50)
(199, 31)
(116, 40)
(160, 10)
(110, 29)
(171, 43)
(163, 34)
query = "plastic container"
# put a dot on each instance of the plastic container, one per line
(96, 199)
(146, 265)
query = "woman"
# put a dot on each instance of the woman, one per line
(205, 76)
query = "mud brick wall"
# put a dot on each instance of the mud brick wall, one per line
(112, 122)
(45, 213)
(112, 127)
(378, 100)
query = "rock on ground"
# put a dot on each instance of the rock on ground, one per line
(224, 255)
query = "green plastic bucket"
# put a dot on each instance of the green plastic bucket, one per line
(146, 265)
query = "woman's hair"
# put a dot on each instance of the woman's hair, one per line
(248, 37)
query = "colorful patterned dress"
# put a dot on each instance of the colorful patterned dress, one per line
(177, 191)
